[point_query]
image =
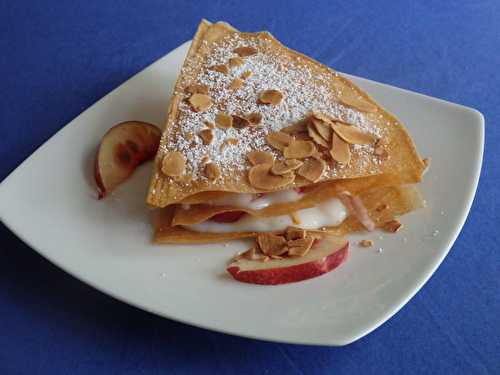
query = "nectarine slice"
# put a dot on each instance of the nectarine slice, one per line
(327, 254)
(121, 150)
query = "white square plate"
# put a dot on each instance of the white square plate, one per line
(50, 203)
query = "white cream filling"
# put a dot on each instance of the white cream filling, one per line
(255, 202)
(329, 213)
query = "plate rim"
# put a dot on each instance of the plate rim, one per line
(418, 283)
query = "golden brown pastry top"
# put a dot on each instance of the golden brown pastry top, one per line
(237, 91)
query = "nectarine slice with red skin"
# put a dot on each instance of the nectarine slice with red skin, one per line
(325, 255)
(122, 149)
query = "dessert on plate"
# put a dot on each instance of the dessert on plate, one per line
(265, 143)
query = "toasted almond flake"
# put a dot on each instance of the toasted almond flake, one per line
(189, 136)
(265, 259)
(380, 151)
(173, 164)
(235, 62)
(299, 127)
(271, 244)
(212, 171)
(299, 149)
(279, 140)
(316, 137)
(205, 159)
(209, 124)
(295, 218)
(255, 118)
(260, 157)
(246, 74)
(250, 254)
(323, 128)
(392, 226)
(366, 243)
(324, 117)
(260, 177)
(240, 122)
(312, 169)
(294, 233)
(197, 88)
(224, 69)
(382, 207)
(286, 166)
(245, 51)
(340, 150)
(236, 84)
(300, 247)
(352, 99)
(206, 135)
(200, 102)
(272, 97)
(277, 257)
(223, 120)
(352, 135)
(229, 141)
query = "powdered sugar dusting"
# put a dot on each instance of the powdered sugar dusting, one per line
(303, 90)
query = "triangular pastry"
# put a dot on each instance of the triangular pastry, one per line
(251, 118)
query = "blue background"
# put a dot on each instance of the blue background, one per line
(59, 57)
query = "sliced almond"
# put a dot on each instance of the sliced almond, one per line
(212, 171)
(380, 150)
(205, 159)
(197, 88)
(295, 218)
(312, 169)
(236, 84)
(323, 128)
(260, 177)
(340, 150)
(382, 207)
(300, 247)
(200, 102)
(299, 127)
(299, 149)
(235, 62)
(173, 164)
(366, 243)
(255, 118)
(206, 135)
(279, 140)
(272, 97)
(324, 117)
(209, 124)
(392, 226)
(229, 141)
(260, 157)
(246, 74)
(352, 99)
(224, 69)
(223, 120)
(250, 254)
(240, 122)
(277, 257)
(284, 167)
(189, 136)
(316, 137)
(271, 244)
(294, 233)
(352, 135)
(245, 51)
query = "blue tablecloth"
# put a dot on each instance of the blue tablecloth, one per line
(59, 57)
